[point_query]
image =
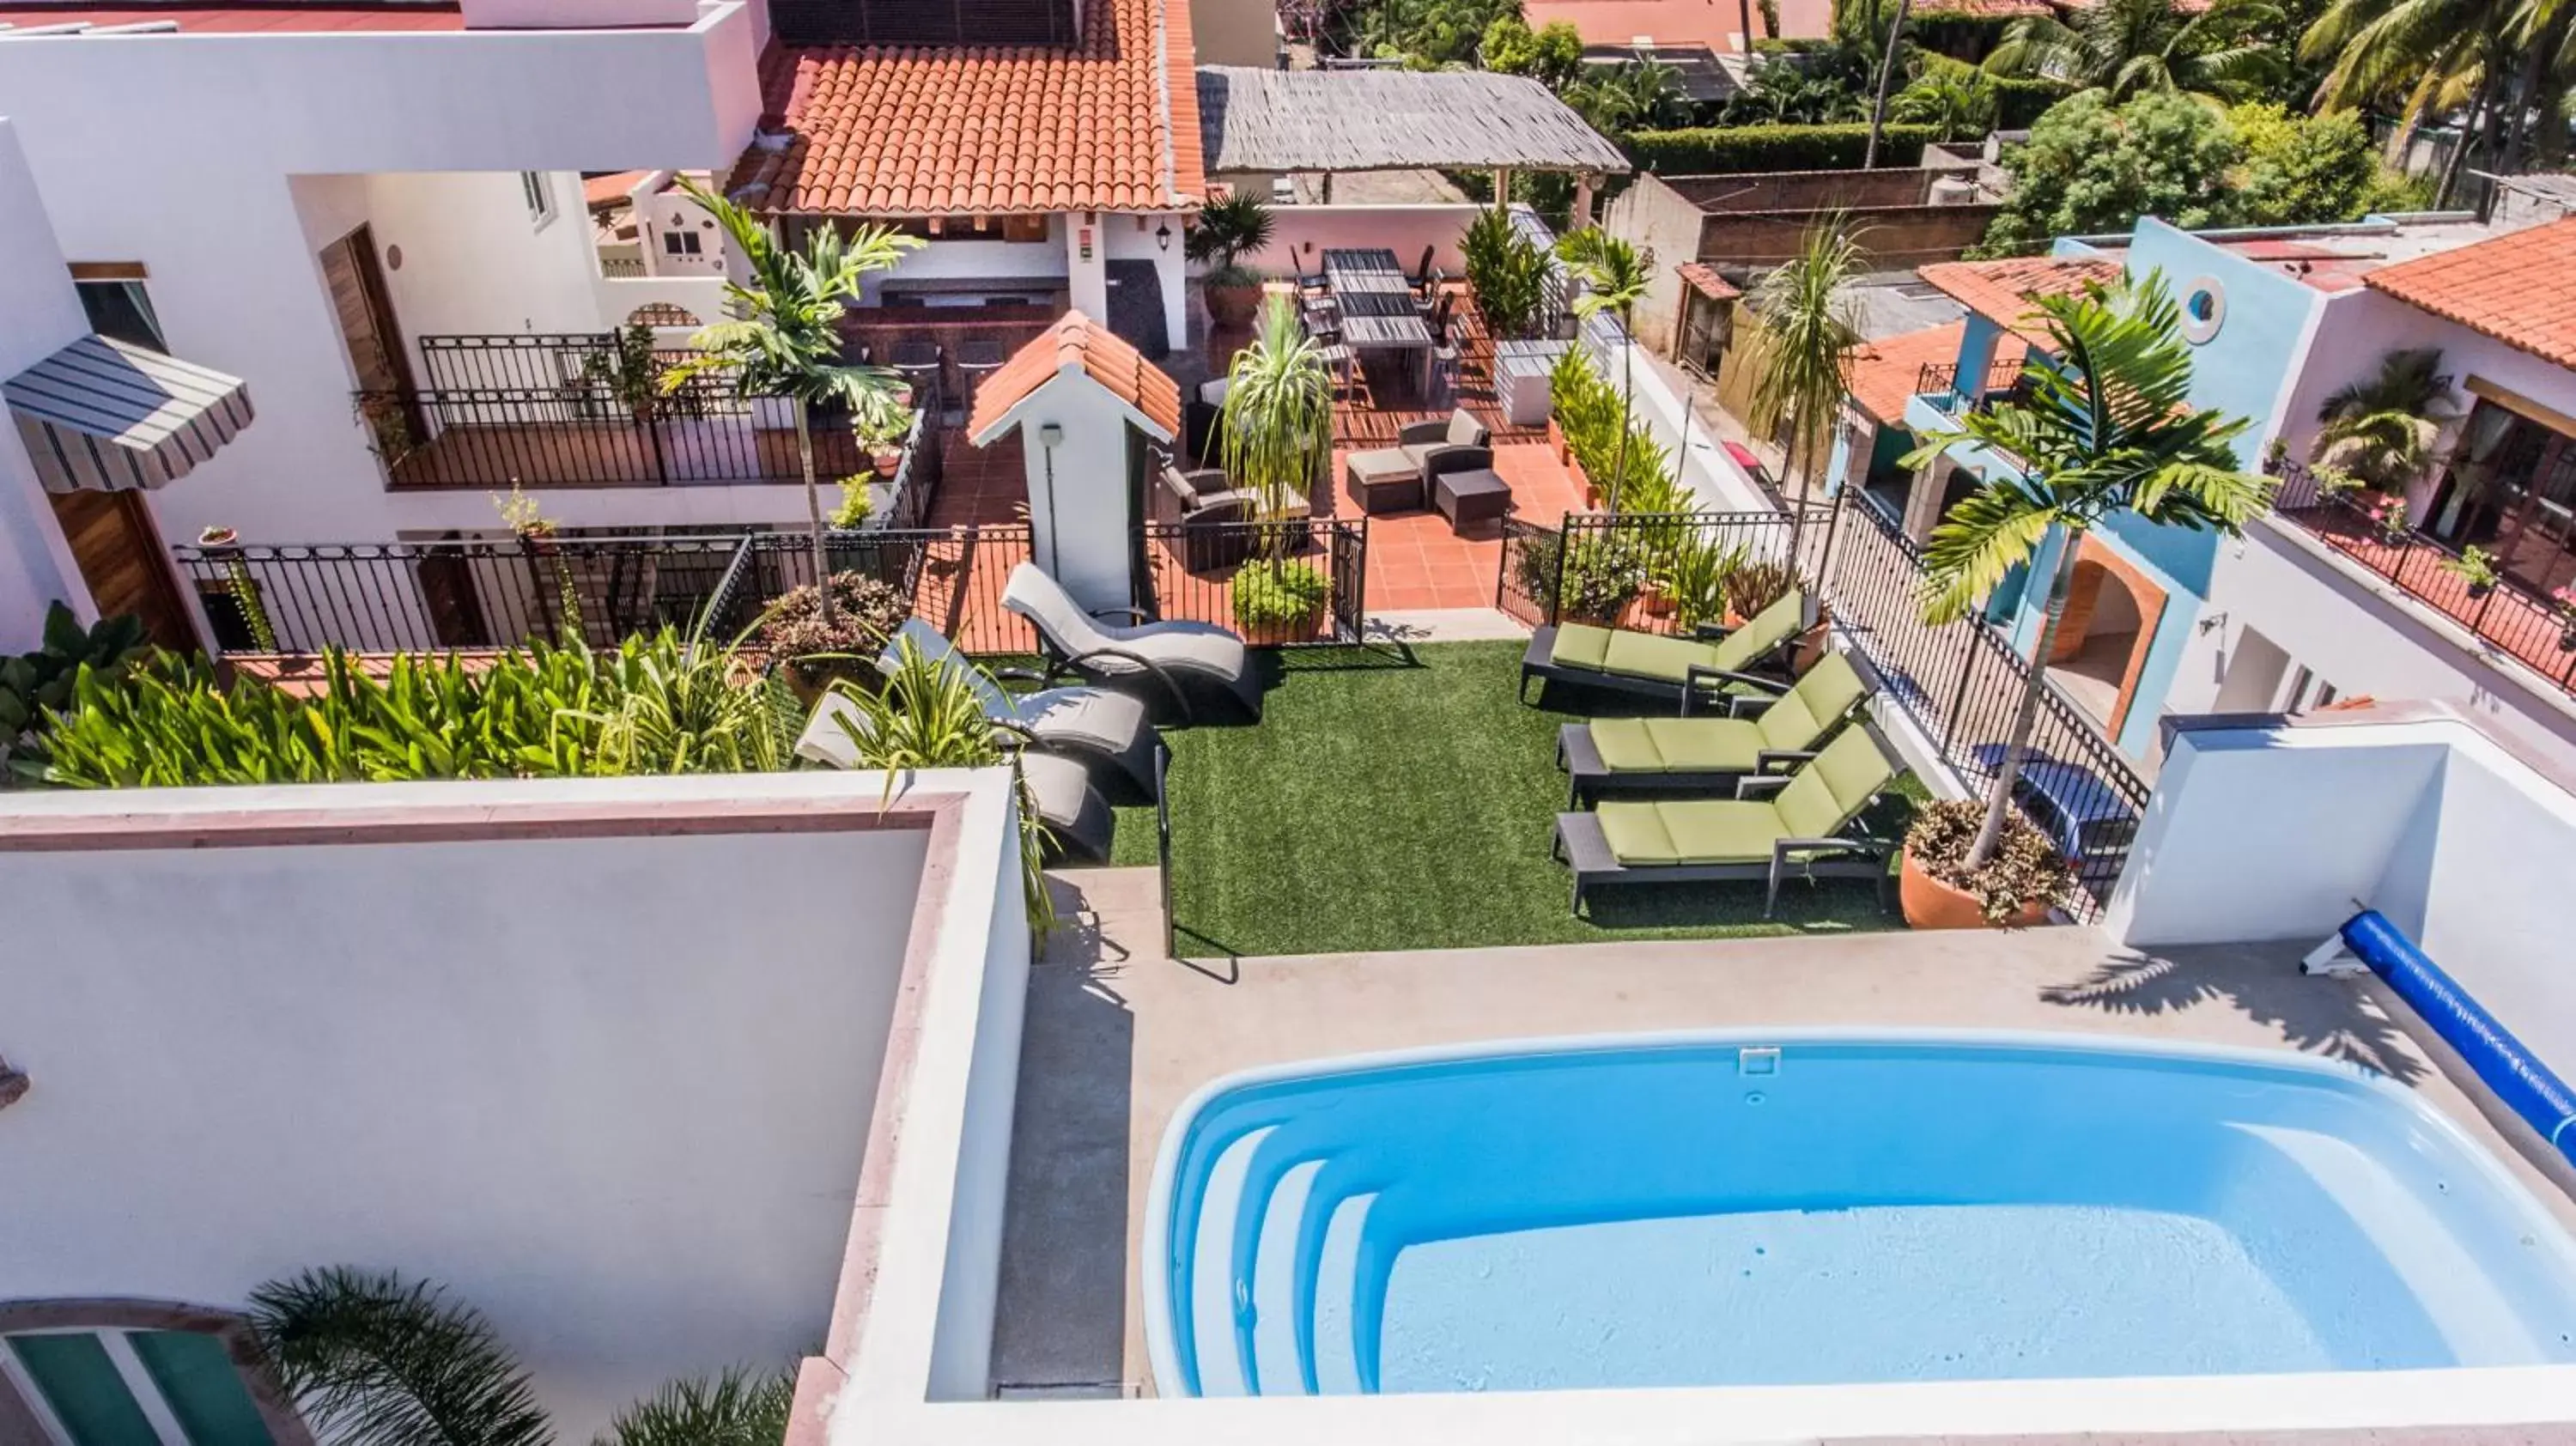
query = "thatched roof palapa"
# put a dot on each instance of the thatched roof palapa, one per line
(1281, 121)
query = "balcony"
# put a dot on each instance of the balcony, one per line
(1939, 385)
(2510, 618)
(543, 411)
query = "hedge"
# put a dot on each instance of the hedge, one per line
(1720, 149)
(2019, 100)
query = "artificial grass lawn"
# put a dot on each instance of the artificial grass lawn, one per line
(1398, 797)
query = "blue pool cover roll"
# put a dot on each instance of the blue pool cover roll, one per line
(2521, 1081)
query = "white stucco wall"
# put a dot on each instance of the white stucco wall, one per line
(39, 314)
(204, 140)
(614, 1091)
(1078, 502)
(2281, 832)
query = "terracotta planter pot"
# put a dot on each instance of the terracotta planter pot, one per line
(1657, 603)
(1277, 635)
(1233, 307)
(1932, 904)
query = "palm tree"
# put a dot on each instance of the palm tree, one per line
(1614, 280)
(1886, 72)
(1278, 417)
(2382, 430)
(2108, 427)
(377, 1360)
(2420, 58)
(1962, 103)
(785, 341)
(1804, 327)
(2129, 46)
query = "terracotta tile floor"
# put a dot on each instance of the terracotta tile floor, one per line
(2511, 619)
(1417, 563)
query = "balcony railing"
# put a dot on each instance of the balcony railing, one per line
(1941, 379)
(2513, 619)
(574, 411)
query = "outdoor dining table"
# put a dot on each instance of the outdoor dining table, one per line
(1376, 302)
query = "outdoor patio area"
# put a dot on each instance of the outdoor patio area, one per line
(1117, 1036)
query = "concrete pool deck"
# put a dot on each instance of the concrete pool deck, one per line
(1117, 1037)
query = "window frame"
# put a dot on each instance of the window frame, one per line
(537, 192)
(112, 1320)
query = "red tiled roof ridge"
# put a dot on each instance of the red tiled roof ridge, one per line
(2002, 290)
(2519, 288)
(1074, 342)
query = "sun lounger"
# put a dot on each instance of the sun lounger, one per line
(1760, 733)
(1807, 823)
(1172, 667)
(1079, 821)
(1654, 666)
(1106, 732)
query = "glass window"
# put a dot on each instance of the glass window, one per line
(121, 311)
(680, 243)
(537, 189)
(202, 1386)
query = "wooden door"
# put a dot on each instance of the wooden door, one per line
(358, 296)
(119, 553)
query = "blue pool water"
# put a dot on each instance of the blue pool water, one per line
(1733, 1210)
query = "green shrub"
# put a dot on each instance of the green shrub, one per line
(2025, 869)
(1718, 149)
(2019, 100)
(34, 682)
(1279, 596)
(1588, 412)
(1506, 272)
(1957, 34)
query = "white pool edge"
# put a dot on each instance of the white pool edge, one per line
(1162, 1356)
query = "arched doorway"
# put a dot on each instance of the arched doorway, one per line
(2110, 625)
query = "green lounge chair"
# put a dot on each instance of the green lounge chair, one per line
(1667, 668)
(1706, 755)
(1808, 821)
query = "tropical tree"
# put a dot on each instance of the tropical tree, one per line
(2382, 429)
(1886, 73)
(1961, 103)
(374, 1359)
(1277, 425)
(2092, 166)
(784, 339)
(1804, 327)
(2126, 47)
(1552, 55)
(2108, 428)
(1614, 280)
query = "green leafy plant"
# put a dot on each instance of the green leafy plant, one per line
(1506, 271)
(1696, 575)
(2333, 481)
(931, 715)
(1757, 584)
(1228, 227)
(628, 369)
(1959, 103)
(1552, 55)
(2092, 166)
(682, 706)
(817, 642)
(854, 509)
(2382, 429)
(2022, 868)
(1603, 573)
(34, 683)
(785, 338)
(2123, 48)
(1703, 150)
(1614, 279)
(527, 520)
(2110, 429)
(372, 1358)
(1286, 599)
(2476, 567)
(1277, 424)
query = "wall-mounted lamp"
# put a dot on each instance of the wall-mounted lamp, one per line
(1163, 237)
(2213, 623)
(1050, 434)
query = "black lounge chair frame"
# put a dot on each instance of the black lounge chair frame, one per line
(1771, 669)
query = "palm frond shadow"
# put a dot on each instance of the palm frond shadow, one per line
(2317, 1016)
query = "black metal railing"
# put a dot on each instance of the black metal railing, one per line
(2514, 618)
(1960, 683)
(1196, 572)
(501, 592)
(1941, 379)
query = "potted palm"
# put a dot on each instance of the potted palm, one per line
(1228, 227)
(1277, 438)
(2107, 428)
(2381, 430)
(785, 341)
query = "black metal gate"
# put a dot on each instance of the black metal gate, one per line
(1349, 548)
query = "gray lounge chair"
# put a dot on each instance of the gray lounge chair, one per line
(1398, 478)
(1707, 755)
(1079, 822)
(1106, 732)
(1809, 823)
(1174, 667)
(1668, 668)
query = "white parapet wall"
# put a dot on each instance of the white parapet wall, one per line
(603, 1057)
(2266, 828)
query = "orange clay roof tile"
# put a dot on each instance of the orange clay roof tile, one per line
(1886, 373)
(1076, 341)
(2002, 291)
(2519, 288)
(1111, 124)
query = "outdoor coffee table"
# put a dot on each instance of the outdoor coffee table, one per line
(1472, 496)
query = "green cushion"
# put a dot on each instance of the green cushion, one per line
(1838, 784)
(1666, 660)
(1761, 633)
(1719, 830)
(1705, 745)
(1625, 746)
(1635, 834)
(1832, 686)
(1579, 645)
(1789, 723)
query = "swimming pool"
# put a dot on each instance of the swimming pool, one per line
(1797, 1208)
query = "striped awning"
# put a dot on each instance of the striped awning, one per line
(106, 416)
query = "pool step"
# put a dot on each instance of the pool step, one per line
(1215, 1293)
(1276, 1368)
